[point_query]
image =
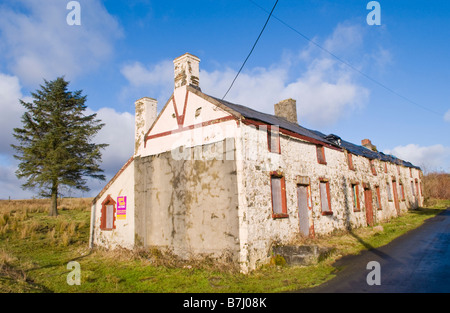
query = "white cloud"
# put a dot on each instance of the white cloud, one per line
(12, 110)
(447, 116)
(325, 92)
(118, 132)
(429, 158)
(148, 81)
(138, 75)
(36, 42)
(10, 186)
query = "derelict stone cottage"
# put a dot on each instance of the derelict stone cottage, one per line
(209, 177)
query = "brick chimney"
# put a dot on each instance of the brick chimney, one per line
(368, 144)
(287, 109)
(145, 115)
(186, 70)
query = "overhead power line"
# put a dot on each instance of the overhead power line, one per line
(254, 45)
(345, 62)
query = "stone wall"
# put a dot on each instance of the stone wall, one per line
(188, 205)
(298, 158)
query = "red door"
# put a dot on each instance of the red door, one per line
(394, 188)
(369, 207)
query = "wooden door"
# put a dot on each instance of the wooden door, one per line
(397, 204)
(369, 206)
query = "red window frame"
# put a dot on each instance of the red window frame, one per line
(355, 192)
(108, 201)
(402, 190)
(385, 167)
(273, 131)
(327, 186)
(377, 189)
(372, 167)
(320, 150)
(284, 213)
(390, 192)
(350, 161)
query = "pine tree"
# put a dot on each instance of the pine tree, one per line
(55, 144)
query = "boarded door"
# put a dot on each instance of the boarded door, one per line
(369, 207)
(302, 194)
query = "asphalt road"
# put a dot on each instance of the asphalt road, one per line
(417, 262)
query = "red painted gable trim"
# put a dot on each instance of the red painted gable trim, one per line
(210, 122)
(184, 108)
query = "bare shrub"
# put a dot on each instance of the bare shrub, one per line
(436, 185)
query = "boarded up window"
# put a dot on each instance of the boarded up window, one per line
(402, 191)
(108, 212)
(350, 161)
(372, 167)
(325, 197)
(278, 186)
(276, 195)
(389, 192)
(109, 216)
(355, 190)
(321, 155)
(378, 199)
(274, 139)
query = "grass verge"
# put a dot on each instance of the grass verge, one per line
(35, 250)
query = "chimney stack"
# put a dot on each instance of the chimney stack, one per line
(287, 109)
(145, 115)
(368, 144)
(186, 71)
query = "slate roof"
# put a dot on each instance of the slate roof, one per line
(314, 134)
(273, 120)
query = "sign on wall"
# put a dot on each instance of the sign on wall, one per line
(122, 207)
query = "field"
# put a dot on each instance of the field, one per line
(35, 250)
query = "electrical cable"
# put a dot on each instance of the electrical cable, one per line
(254, 45)
(345, 62)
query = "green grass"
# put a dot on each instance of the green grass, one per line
(35, 250)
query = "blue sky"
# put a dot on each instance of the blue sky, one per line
(123, 50)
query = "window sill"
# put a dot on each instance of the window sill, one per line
(280, 215)
(327, 213)
(322, 162)
(356, 210)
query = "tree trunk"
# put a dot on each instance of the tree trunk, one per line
(54, 205)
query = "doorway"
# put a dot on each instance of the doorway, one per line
(394, 189)
(303, 196)
(369, 206)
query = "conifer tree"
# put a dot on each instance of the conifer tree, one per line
(55, 145)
